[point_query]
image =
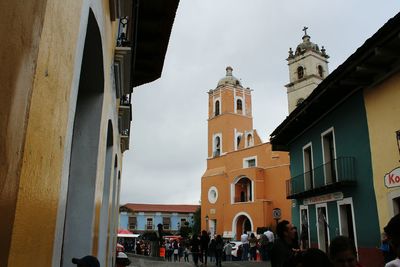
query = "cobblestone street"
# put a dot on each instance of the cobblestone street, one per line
(145, 261)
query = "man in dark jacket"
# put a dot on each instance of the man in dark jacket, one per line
(282, 250)
(204, 240)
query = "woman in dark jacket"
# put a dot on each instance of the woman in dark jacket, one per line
(204, 240)
(195, 244)
(219, 246)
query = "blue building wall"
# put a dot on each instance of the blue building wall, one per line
(141, 220)
(351, 140)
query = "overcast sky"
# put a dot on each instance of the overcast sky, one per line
(168, 142)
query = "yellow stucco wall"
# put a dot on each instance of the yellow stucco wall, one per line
(37, 203)
(383, 114)
(58, 55)
(21, 28)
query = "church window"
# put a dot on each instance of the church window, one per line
(217, 146)
(321, 71)
(250, 162)
(300, 72)
(299, 101)
(249, 140)
(238, 140)
(217, 108)
(239, 105)
(212, 194)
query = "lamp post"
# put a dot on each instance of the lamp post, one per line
(207, 223)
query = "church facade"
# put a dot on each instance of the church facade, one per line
(243, 185)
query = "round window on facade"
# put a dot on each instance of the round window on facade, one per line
(212, 194)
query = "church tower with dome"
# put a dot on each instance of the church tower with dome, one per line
(245, 180)
(308, 66)
(229, 115)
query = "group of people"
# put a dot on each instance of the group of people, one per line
(202, 248)
(342, 252)
(250, 245)
(177, 249)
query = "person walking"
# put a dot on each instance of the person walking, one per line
(282, 250)
(212, 250)
(253, 247)
(219, 245)
(186, 253)
(204, 242)
(228, 251)
(263, 242)
(244, 238)
(195, 247)
(176, 250)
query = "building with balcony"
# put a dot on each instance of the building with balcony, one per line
(141, 218)
(67, 73)
(244, 180)
(343, 141)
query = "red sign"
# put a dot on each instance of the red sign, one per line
(392, 179)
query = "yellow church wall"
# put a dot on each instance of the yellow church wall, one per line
(269, 187)
(36, 210)
(218, 125)
(228, 100)
(21, 25)
(267, 177)
(383, 109)
(49, 110)
(275, 189)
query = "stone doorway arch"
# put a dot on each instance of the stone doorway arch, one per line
(240, 223)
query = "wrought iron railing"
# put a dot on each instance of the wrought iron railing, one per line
(338, 171)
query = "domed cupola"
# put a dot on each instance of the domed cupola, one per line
(307, 45)
(229, 79)
(308, 66)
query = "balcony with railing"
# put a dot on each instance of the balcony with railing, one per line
(325, 178)
(243, 191)
(124, 121)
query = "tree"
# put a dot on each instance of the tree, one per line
(196, 228)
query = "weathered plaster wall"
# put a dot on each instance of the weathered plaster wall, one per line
(35, 214)
(46, 66)
(383, 110)
(21, 25)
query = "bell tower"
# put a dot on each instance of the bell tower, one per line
(308, 66)
(229, 116)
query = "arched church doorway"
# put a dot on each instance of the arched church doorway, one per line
(241, 223)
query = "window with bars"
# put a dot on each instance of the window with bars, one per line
(149, 224)
(166, 223)
(132, 223)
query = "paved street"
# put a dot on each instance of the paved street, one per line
(144, 262)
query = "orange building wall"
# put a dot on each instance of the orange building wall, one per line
(223, 171)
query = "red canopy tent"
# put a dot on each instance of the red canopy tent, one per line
(124, 231)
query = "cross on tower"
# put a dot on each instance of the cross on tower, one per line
(305, 30)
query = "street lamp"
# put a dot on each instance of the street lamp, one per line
(207, 223)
